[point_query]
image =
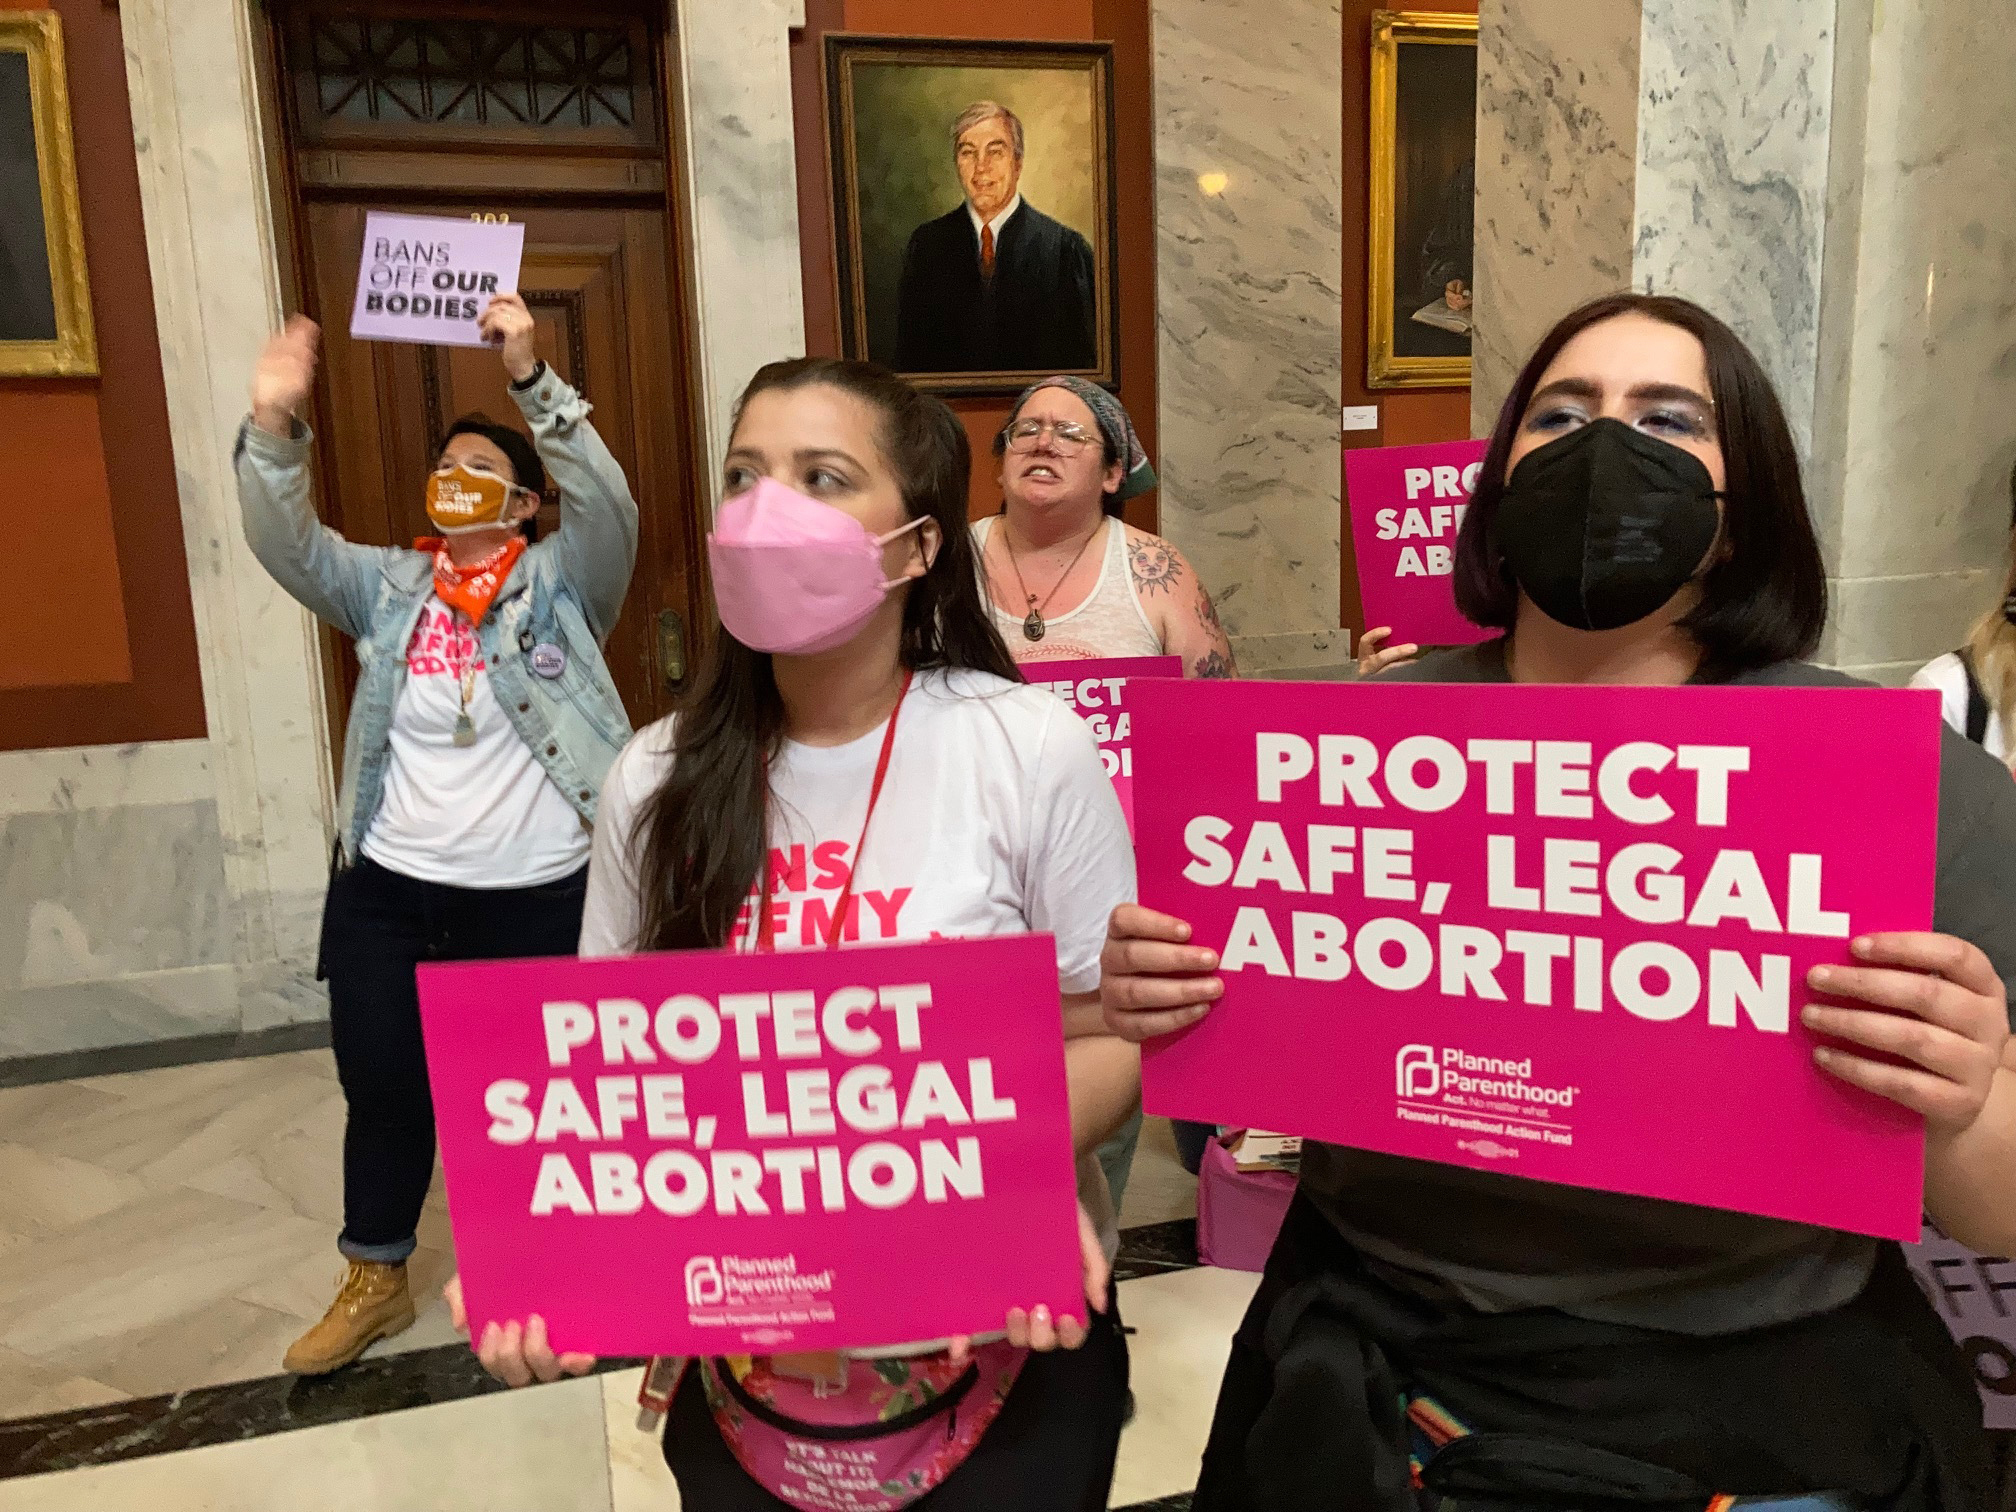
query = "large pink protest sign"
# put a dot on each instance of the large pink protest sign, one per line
(428, 278)
(706, 1153)
(1560, 933)
(1407, 503)
(1098, 691)
(1976, 1295)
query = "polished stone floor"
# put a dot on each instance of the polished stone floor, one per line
(164, 1235)
(174, 1228)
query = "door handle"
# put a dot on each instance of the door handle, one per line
(671, 647)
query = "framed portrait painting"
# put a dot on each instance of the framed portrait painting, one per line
(1421, 299)
(973, 209)
(45, 294)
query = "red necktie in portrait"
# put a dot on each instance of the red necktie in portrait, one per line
(986, 251)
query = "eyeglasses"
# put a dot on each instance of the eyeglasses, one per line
(1069, 439)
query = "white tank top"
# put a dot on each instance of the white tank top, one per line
(1110, 622)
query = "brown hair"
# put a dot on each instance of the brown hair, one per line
(705, 832)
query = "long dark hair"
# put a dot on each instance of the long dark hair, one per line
(1765, 599)
(705, 831)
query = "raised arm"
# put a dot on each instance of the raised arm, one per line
(333, 578)
(597, 540)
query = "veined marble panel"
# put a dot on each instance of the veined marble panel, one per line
(742, 157)
(1734, 111)
(1557, 126)
(206, 201)
(129, 1010)
(1879, 622)
(102, 893)
(94, 777)
(1249, 248)
(1268, 655)
(1932, 406)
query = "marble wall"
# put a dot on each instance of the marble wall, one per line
(742, 165)
(1927, 396)
(1828, 178)
(1249, 251)
(159, 892)
(1734, 118)
(1557, 130)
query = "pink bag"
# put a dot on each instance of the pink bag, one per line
(875, 1442)
(1239, 1212)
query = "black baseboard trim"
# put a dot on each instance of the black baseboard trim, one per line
(240, 1410)
(111, 1060)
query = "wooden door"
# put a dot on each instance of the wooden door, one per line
(588, 182)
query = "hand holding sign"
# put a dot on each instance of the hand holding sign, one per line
(1407, 504)
(1938, 1012)
(719, 1154)
(1444, 912)
(1375, 656)
(517, 1354)
(508, 325)
(429, 279)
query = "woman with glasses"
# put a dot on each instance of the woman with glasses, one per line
(481, 727)
(1068, 579)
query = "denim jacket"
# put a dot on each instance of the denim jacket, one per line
(564, 592)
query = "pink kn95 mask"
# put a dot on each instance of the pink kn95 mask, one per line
(792, 575)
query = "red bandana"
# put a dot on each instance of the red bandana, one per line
(471, 589)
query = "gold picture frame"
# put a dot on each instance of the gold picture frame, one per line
(1398, 356)
(50, 297)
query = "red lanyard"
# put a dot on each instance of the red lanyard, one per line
(765, 928)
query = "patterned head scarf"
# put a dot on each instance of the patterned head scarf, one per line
(1118, 430)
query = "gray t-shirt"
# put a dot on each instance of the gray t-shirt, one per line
(1500, 1242)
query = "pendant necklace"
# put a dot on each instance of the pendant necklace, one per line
(1032, 623)
(465, 727)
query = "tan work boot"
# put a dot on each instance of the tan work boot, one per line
(372, 1304)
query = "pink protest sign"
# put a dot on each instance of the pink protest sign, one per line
(427, 278)
(1406, 505)
(705, 1153)
(1553, 932)
(1976, 1295)
(1098, 691)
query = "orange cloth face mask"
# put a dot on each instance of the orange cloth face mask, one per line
(461, 499)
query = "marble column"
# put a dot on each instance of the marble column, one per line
(1557, 131)
(1921, 331)
(742, 177)
(1830, 177)
(1248, 96)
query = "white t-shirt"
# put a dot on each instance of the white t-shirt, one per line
(996, 818)
(1948, 678)
(484, 815)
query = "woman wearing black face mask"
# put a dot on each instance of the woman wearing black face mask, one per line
(1638, 520)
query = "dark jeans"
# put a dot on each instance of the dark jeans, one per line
(1051, 1450)
(377, 926)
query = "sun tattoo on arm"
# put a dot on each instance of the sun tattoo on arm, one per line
(1156, 567)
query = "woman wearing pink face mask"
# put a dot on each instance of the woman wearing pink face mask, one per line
(861, 761)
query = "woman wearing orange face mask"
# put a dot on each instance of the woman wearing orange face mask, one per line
(483, 723)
